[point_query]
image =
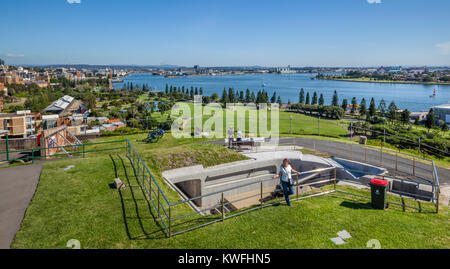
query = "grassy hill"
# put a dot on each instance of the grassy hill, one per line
(80, 204)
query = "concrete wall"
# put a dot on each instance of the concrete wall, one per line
(18, 143)
(262, 165)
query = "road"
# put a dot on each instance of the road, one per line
(17, 187)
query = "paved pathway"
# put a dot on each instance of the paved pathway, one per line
(17, 187)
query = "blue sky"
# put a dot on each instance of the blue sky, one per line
(226, 32)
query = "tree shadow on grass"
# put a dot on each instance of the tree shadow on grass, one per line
(132, 195)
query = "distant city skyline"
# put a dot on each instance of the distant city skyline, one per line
(322, 33)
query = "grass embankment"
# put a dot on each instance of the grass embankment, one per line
(80, 204)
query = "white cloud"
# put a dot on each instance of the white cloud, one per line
(374, 1)
(444, 48)
(10, 55)
(74, 1)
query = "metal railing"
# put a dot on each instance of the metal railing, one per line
(151, 187)
(399, 163)
(68, 151)
(187, 221)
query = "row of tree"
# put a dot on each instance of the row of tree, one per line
(332, 112)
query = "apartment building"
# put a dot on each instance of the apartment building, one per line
(11, 78)
(21, 124)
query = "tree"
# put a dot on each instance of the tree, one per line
(405, 116)
(335, 101)
(274, 97)
(363, 107)
(430, 121)
(279, 101)
(253, 98)
(372, 109)
(90, 101)
(231, 95)
(314, 99)
(321, 100)
(344, 104)
(382, 107)
(354, 104)
(444, 127)
(225, 98)
(302, 96)
(247, 96)
(392, 111)
(307, 99)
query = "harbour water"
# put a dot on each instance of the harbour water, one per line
(414, 97)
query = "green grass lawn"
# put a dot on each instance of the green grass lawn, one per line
(80, 204)
(301, 124)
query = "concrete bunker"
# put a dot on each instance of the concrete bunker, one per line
(251, 176)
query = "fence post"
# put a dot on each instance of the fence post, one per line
(32, 155)
(7, 148)
(170, 221)
(365, 154)
(414, 166)
(351, 130)
(437, 199)
(158, 201)
(419, 146)
(335, 175)
(319, 125)
(261, 196)
(223, 208)
(84, 151)
(396, 161)
(381, 156)
(297, 185)
(290, 118)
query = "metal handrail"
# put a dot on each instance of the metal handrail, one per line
(148, 171)
(246, 184)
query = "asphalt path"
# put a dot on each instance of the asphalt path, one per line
(17, 187)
